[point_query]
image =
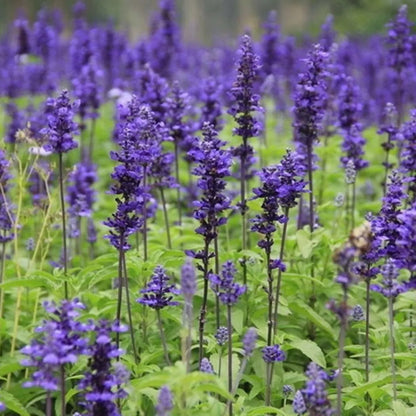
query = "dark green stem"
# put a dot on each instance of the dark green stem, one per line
(131, 327)
(392, 347)
(162, 337)
(166, 218)
(230, 358)
(62, 195)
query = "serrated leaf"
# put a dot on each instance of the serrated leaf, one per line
(13, 404)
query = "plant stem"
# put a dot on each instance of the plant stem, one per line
(367, 331)
(217, 270)
(126, 281)
(48, 404)
(269, 317)
(63, 404)
(162, 337)
(165, 215)
(279, 272)
(342, 335)
(119, 286)
(243, 206)
(188, 340)
(386, 164)
(144, 215)
(178, 189)
(61, 190)
(203, 311)
(353, 198)
(392, 347)
(230, 358)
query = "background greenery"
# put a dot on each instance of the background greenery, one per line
(210, 20)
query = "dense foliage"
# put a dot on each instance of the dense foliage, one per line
(206, 231)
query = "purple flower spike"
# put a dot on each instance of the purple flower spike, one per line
(165, 402)
(101, 383)
(61, 342)
(228, 291)
(158, 293)
(273, 354)
(61, 126)
(206, 366)
(249, 341)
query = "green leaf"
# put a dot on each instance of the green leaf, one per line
(26, 283)
(265, 410)
(311, 350)
(306, 311)
(13, 404)
(305, 244)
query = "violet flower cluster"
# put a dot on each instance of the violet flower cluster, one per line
(61, 126)
(164, 402)
(408, 153)
(101, 383)
(390, 286)
(281, 187)
(158, 293)
(225, 286)
(214, 164)
(349, 112)
(310, 102)
(313, 398)
(80, 193)
(62, 339)
(6, 213)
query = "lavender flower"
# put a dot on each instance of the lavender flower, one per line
(158, 293)
(245, 100)
(87, 88)
(213, 166)
(287, 390)
(408, 153)
(80, 193)
(406, 241)
(314, 393)
(17, 121)
(6, 214)
(309, 103)
(164, 42)
(60, 343)
(227, 290)
(211, 111)
(357, 313)
(100, 384)
(400, 59)
(299, 406)
(188, 280)
(385, 225)
(165, 402)
(206, 366)
(61, 127)
(221, 335)
(273, 354)
(390, 286)
(349, 111)
(249, 341)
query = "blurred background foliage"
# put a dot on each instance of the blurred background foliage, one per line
(209, 21)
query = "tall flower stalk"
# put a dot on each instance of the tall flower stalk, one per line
(188, 290)
(213, 166)
(245, 103)
(60, 131)
(390, 288)
(228, 292)
(128, 186)
(157, 295)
